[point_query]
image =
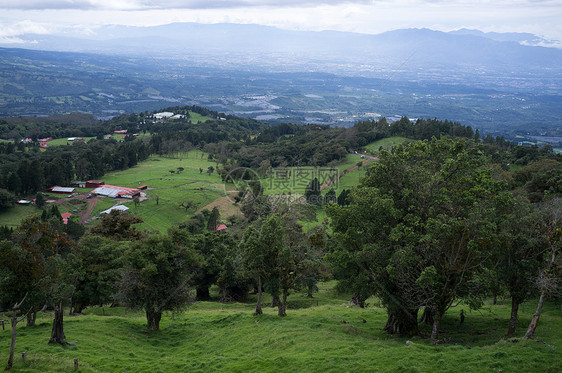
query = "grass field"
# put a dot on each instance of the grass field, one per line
(328, 337)
(386, 143)
(13, 216)
(172, 189)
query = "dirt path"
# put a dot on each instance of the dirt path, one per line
(91, 205)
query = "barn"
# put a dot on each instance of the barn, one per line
(114, 191)
(61, 190)
(94, 183)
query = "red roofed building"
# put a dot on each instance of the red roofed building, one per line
(120, 131)
(65, 217)
(221, 227)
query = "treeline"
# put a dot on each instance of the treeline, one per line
(25, 170)
(56, 126)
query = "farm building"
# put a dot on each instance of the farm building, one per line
(75, 139)
(118, 207)
(23, 202)
(78, 184)
(116, 191)
(94, 183)
(65, 217)
(120, 131)
(61, 190)
(143, 187)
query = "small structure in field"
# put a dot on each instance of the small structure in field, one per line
(118, 207)
(78, 184)
(94, 183)
(61, 190)
(114, 191)
(221, 227)
(120, 131)
(65, 216)
(75, 139)
(23, 202)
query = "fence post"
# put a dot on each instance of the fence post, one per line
(75, 363)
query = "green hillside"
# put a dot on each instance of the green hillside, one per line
(328, 337)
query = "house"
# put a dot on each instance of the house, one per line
(120, 131)
(75, 139)
(43, 145)
(163, 115)
(45, 139)
(60, 190)
(94, 183)
(118, 207)
(65, 217)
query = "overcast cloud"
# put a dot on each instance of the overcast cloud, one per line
(541, 17)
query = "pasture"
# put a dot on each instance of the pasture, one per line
(323, 334)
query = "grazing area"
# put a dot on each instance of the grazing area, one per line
(329, 337)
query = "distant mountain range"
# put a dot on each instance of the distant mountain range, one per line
(499, 82)
(420, 52)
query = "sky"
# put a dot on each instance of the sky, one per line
(540, 17)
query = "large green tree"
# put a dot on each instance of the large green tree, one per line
(157, 277)
(421, 225)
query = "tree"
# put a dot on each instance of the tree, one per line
(93, 270)
(118, 225)
(330, 197)
(520, 256)
(157, 276)
(255, 261)
(213, 220)
(40, 200)
(210, 170)
(312, 192)
(548, 280)
(7, 199)
(420, 226)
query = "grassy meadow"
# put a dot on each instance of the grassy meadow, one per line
(386, 143)
(323, 334)
(171, 190)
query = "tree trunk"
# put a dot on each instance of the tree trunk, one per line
(310, 291)
(282, 307)
(13, 343)
(436, 324)
(31, 317)
(495, 300)
(57, 332)
(258, 304)
(203, 293)
(513, 319)
(427, 316)
(275, 300)
(535, 319)
(153, 320)
(402, 322)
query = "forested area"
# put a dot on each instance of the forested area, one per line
(437, 221)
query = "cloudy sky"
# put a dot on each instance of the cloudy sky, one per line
(541, 17)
